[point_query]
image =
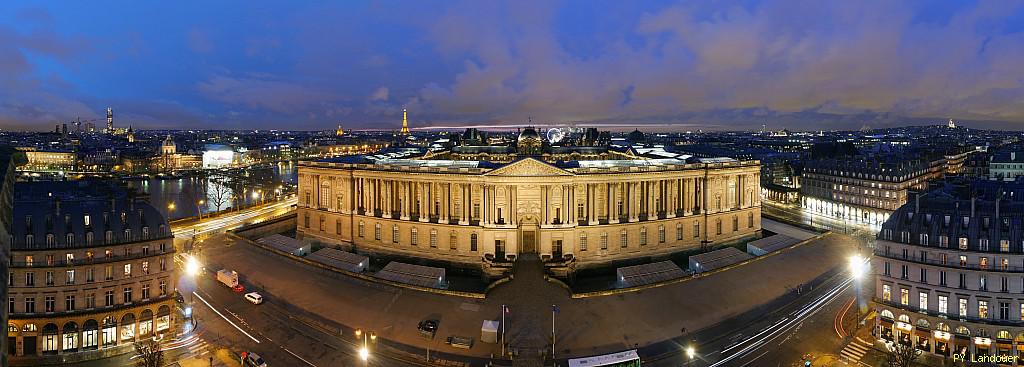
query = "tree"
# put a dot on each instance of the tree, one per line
(901, 355)
(218, 194)
(149, 353)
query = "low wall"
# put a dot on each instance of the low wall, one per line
(612, 292)
(361, 276)
(277, 225)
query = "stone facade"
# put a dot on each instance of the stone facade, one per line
(474, 213)
(93, 271)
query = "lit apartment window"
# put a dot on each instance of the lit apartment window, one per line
(963, 243)
(1004, 245)
(943, 304)
(922, 300)
(904, 296)
(982, 309)
(886, 292)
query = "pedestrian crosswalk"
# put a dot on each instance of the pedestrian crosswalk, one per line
(855, 350)
(199, 349)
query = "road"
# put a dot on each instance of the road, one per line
(224, 222)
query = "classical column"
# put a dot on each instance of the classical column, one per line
(513, 213)
(592, 204)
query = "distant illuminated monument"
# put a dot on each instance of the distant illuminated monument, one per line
(339, 131)
(405, 123)
(951, 124)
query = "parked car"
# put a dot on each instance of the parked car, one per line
(254, 297)
(254, 360)
(428, 328)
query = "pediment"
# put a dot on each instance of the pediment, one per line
(528, 167)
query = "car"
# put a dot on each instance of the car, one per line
(254, 360)
(254, 297)
(238, 288)
(428, 328)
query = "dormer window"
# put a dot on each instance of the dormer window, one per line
(967, 221)
(86, 220)
(945, 222)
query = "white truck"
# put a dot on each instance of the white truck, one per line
(228, 277)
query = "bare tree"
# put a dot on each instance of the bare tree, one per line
(901, 355)
(149, 353)
(219, 194)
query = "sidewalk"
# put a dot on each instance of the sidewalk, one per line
(222, 357)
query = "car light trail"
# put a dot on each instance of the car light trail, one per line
(225, 318)
(783, 325)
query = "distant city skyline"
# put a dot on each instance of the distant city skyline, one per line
(663, 66)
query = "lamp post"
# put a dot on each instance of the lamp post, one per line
(690, 353)
(199, 207)
(858, 268)
(192, 268)
(364, 351)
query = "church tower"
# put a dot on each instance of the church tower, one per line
(405, 123)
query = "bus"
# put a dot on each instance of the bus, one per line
(627, 358)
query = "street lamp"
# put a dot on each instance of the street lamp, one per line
(192, 268)
(364, 351)
(690, 353)
(199, 207)
(858, 269)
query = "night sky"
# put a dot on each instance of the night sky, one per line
(314, 65)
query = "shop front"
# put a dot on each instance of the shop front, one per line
(942, 343)
(924, 341)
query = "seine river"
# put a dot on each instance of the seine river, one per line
(181, 191)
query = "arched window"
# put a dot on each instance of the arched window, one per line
(49, 240)
(108, 237)
(70, 343)
(127, 234)
(70, 239)
(88, 238)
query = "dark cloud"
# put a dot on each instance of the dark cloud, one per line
(730, 63)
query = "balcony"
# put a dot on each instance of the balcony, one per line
(952, 264)
(991, 321)
(87, 261)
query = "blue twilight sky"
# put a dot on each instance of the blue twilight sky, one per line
(313, 65)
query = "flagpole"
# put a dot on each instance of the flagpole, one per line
(502, 331)
(553, 310)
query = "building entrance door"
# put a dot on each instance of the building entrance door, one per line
(529, 242)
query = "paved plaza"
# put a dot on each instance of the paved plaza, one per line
(583, 326)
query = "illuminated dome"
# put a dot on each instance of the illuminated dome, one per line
(529, 141)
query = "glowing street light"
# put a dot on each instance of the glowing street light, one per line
(192, 266)
(858, 270)
(690, 353)
(858, 266)
(364, 353)
(170, 206)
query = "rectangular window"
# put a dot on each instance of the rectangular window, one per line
(69, 303)
(643, 236)
(414, 237)
(472, 242)
(963, 243)
(661, 234)
(1004, 245)
(69, 277)
(433, 238)
(623, 238)
(145, 291)
(362, 229)
(453, 242)
(30, 305)
(982, 309)
(943, 304)
(924, 275)
(696, 229)
(127, 270)
(376, 231)
(887, 269)
(604, 241)
(1004, 310)
(886, 292)
(583, 241)
(922, 300)
(904, 296)
(679, 232)
(963, 307)
(108, 298)
(127, 294)
(49, 304)
(394, 234)
(90, 301)
(942, 277)
(30, 279)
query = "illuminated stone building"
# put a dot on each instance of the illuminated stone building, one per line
(92, 272)
(484, 206)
